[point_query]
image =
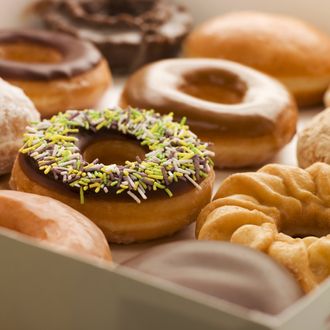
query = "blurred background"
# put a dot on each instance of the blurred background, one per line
(314, 11)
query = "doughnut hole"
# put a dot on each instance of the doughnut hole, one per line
(29, 52)
(218, 86)
(113, 150)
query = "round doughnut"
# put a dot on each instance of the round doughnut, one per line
(227, 271)
(281, 210)
(53, 222)
(281, 46)
(16, 111)
(160, 179)
(245, 114)
(314, 141)
(129, 33)
(56, 71)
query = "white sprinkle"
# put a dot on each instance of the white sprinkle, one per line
(142, 193)
(193, 182)
(134, 197)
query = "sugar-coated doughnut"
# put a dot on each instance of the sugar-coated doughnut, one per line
(129, 33)
(151, 195)
(16, 111)
(314, 141)
(53, 222)
(293, 51)
(58, 72)
(246, 115)
(281, 210)
(227, 271)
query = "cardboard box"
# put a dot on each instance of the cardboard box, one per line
(45, 289)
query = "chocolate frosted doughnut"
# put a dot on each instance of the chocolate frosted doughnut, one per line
(227, 271)
(55, 70)
(160, 165)
(128, 33)
(76, 57)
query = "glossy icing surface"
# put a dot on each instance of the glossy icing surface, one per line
(20, 56)
(241, 101)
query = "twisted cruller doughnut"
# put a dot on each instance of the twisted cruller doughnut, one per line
(129, 202)
(281, 210)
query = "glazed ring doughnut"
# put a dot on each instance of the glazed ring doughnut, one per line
(281, 210)
(16, 111)
(129, 202)
(53, 222)
(56, 71)
(247, 115)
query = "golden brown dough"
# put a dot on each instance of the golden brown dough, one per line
(287, 48)
(314, 141)
(281, 210)
(46, 219)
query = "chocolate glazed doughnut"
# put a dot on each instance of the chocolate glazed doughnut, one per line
(129, 33)
(246, 114)
(55, 70)
(156, 195)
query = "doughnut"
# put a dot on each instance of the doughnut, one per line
(281, 46)
(246, 115)
(281, 210)
(56, 71)
(226, 271)
(47, 220)
(314, 141)
(153, 179)
(16, 111)
(129, 33)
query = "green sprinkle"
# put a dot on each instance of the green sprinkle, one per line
(82, 197)
(168, 191)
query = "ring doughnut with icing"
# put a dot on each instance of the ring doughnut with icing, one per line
(281, 210)
(151, 195)
(129, 33)
(247, 115)
(53, 222)
(56, 71)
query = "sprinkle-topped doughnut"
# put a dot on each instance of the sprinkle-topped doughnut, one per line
(174, 153)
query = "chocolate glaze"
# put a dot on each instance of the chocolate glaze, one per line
(253, 109)
(30, 168)
(129, 33)
(227, 271)
(77, 56)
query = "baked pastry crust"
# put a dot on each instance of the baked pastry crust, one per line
(279, 45)
(314, 141)
(281, 210)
